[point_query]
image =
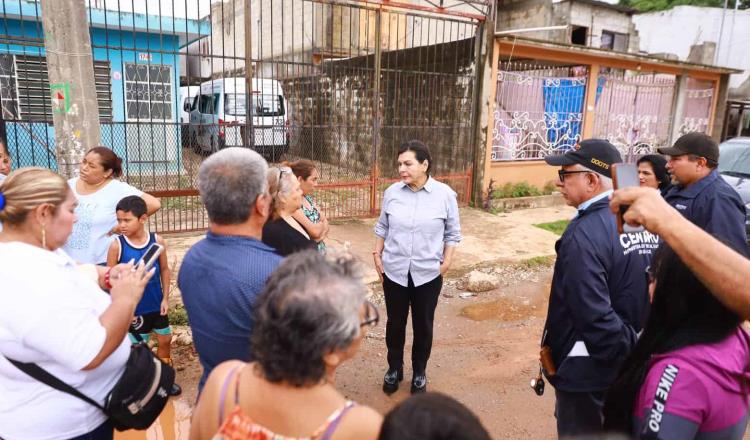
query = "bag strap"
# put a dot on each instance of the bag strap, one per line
(42, 375)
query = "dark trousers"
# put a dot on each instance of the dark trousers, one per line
(422, 300)
(103, 432)
(578, 414)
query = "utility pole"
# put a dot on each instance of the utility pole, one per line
(70, 66)
(721, 32)
(249, 103)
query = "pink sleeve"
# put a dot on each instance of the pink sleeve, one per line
(672, 386)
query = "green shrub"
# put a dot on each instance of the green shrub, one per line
(549, 187)
(514, 190)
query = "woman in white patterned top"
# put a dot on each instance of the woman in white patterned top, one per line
(98, 191)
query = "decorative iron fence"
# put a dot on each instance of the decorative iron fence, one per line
(538, 111)
(696, 114)
(634, 111)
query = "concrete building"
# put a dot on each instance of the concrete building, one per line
(678, 29)
(695, 34)
(588, 22)
(310, 32)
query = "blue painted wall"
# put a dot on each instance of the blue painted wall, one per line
(145, 146)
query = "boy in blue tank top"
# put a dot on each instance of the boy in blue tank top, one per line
(131, 244)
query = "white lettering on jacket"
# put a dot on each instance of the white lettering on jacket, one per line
(660, 399)
(644, 242)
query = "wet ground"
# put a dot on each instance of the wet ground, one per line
(484, 354)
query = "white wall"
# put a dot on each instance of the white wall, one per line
(675, 30)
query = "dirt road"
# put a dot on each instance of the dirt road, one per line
(484, 354)
(485, 347)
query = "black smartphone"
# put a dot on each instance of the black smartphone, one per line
(625, 175)
(151, 256)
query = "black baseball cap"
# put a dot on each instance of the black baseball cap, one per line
(699, 144)
(595, 154)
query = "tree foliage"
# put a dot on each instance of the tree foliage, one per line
(660, 5)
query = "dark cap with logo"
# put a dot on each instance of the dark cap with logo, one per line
(699, 144)
(595, 154)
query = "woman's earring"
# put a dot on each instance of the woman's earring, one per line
(44, 236)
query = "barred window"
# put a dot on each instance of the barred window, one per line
(25, 92)
(148, 92)
(8, 95)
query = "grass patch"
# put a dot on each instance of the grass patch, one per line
(557, 227)
(178, 316)
(537, 262)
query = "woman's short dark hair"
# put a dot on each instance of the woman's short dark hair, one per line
(683, 313)
(432, 416)
(109, 160)
(308, 309)
(420, 150)
(659, 165)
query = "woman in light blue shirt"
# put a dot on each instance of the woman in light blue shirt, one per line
(417, 232)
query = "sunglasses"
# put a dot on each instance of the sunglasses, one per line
(282, 171)
(372, 317)
(562, 173)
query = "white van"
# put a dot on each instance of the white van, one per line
(217, 117)
(187, 96)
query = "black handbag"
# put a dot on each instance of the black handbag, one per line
(137, 398)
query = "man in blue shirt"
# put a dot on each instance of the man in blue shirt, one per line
(699, 192)
(222, 274)
(599, 296)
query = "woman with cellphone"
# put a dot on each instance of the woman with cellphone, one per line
(54, 315)
(416, 234)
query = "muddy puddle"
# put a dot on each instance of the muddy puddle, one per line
(500, 309)
(172, 424)
(527, 299)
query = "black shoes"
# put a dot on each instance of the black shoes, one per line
(419, 384)
(391, 379)
(176, 390)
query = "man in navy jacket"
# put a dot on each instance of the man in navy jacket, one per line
(599, 297)
(699, 192)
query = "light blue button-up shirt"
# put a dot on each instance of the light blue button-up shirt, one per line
(591, 201)
(416, 226)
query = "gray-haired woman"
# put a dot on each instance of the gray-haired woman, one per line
(282, 232)
(310, 318)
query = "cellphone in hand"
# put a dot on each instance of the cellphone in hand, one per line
(625, 175)
(151, 256)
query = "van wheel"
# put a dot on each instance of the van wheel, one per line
(194, 144)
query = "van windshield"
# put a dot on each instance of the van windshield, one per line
(265, 105)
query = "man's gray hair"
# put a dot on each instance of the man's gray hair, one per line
(606, 181)
(229, 182)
